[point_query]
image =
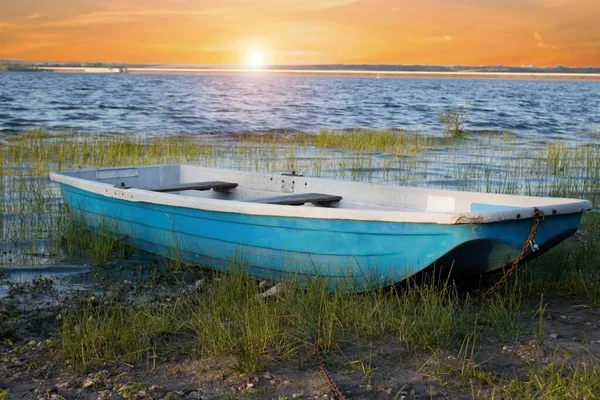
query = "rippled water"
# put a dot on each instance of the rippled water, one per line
(166, 104)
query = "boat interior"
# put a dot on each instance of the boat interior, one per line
(291, 189)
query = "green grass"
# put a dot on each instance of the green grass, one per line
(231, 321)
(504, 313)
(94, 334)
(557, 382)
(573, 268)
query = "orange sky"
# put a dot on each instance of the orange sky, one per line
(510, 32)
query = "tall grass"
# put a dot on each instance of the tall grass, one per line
(94, 334)
(230, 320)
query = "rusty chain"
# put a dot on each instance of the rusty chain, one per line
(325, 372)
(538, 217)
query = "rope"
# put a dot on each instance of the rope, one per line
(538, 217)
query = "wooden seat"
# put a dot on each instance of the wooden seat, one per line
(216, 185)
(299, 199)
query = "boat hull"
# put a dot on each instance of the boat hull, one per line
(355, 254)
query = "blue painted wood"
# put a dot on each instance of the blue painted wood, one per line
(354, 254)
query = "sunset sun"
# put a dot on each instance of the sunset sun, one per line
(255, 59)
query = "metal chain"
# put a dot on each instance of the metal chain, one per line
(326, 375)
(538, 217)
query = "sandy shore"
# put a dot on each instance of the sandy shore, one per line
(341, 73)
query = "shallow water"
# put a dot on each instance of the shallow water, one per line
(62, 277)
(168, 104)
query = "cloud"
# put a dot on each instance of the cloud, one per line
(212, 49)
(304, 5)
(124, 16)
(300, 53)
(557, 3)
(7, 26)
(537, 37)
(442, 38)
(35, 15)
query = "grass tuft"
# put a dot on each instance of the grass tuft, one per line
(95, 334)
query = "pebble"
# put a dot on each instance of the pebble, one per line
(250, 385)
(90, 382)
(263, 283)
(554, 335)
(268, 376)
(193, 395)
(272, 382)
(64, 385)
(155, 388)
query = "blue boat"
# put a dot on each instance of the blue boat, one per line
(352, 235)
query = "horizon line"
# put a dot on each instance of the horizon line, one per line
(266, 66)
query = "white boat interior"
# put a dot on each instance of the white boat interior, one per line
(279, 191)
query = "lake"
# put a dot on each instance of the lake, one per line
(204, 104)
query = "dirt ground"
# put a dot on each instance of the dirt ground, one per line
(31, 366)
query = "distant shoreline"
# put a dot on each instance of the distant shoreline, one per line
(337, 73)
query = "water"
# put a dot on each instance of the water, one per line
(199, 104)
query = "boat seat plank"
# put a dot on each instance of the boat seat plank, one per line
(299, 199)
(216, 185)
